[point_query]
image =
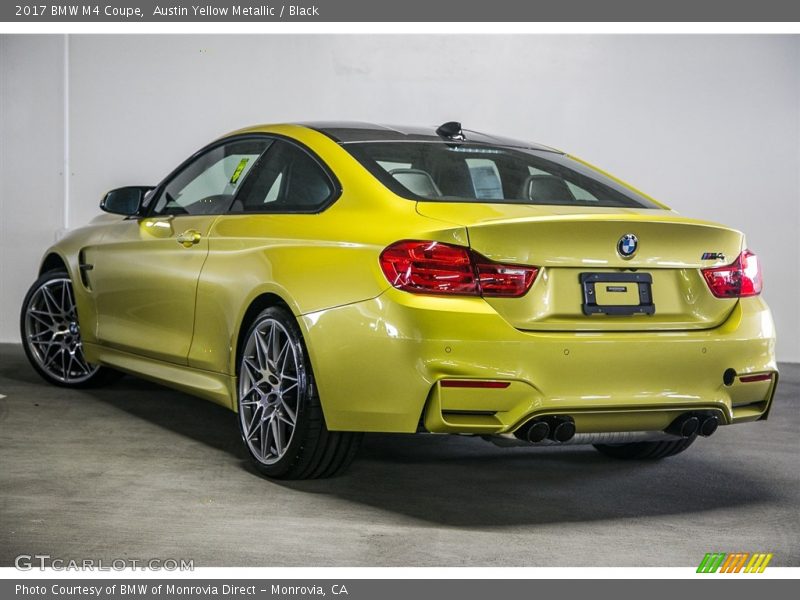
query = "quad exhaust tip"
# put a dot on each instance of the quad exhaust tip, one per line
(684, 426)
(688, 424)
(708, 425)
(538, 432)
(557, 428)
(563, 429)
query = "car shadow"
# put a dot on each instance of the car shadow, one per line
(182, 414)
(461, 481)
(205, 422)
(466, 482)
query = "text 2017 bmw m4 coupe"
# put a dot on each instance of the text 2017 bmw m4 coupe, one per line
(328, 279)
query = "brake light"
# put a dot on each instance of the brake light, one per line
(737, 280)
(425, 267)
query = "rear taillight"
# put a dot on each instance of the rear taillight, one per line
(425, 267)
(429, 268)
(737, 280)
(502, 280)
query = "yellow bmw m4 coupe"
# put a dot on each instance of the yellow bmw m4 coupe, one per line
(323, 280)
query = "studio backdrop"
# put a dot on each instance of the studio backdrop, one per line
(709, 125)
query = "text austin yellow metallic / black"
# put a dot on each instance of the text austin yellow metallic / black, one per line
(329, 279)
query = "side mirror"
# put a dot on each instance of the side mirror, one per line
(125, 201)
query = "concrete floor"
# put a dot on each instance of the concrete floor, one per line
(139, 471)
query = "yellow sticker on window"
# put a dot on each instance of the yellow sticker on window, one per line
(238, 172)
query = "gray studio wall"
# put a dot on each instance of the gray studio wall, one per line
(707, 124)
(31, 164)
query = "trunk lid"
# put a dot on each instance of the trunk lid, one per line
(577, 250)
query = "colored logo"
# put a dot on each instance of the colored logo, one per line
(627, 245)
(737, 562)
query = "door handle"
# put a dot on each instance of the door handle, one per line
(188, 238)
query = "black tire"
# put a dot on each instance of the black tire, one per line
(645, 450)
(313, 451)
(56, 351)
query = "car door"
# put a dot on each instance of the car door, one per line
(144, 273)
(272, 235)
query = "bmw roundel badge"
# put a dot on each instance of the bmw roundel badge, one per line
(627, 245)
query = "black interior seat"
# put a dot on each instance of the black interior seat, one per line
(417, 181)
(546, 189)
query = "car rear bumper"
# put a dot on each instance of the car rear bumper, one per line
(379, 366)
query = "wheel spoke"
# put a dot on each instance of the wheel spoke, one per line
(40, 316)
(283, 357)
(64, 304)
(67, 361)
(268, 335)
(59, 350)
(262, 351)
(35, 336)
(82, 359)
(288, 415)
(255, 419)
(45, 346)
(249, 375)
(51, 302)
(277, 435)
(72, 308)
(264, 430)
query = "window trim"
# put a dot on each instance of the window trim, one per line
(148, 211)
(336, 186)
(372, 167)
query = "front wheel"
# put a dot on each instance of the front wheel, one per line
(280, 415)
(51, 335)
(646, 450)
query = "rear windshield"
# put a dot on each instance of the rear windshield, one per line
(462, 172)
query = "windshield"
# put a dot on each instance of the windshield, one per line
(462, 172)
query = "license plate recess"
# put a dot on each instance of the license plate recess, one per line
(617, 283)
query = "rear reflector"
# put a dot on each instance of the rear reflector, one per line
(474, 383)
(737, 280)
(426, 267)
(754, 378)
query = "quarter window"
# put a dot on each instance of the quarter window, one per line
(207, 185)
(285, 179)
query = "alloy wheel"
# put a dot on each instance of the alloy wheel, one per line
(53, 335)
(270, 390)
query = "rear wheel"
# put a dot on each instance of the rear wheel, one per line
(646, 450)
(51, 335)
(280, 416)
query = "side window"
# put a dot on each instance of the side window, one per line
(285, 179)
(207, 185)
